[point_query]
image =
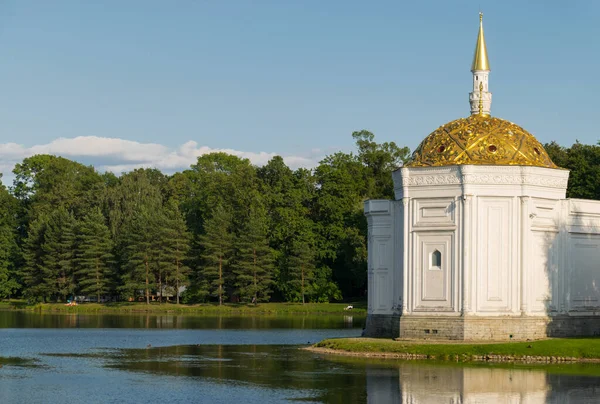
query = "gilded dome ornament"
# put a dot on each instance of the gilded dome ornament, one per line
(480, 140)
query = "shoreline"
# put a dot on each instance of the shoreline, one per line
(261, 309)
(547, 351)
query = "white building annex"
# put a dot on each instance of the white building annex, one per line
(480, 243)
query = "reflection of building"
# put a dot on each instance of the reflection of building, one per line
(480, 242)
(420, 383)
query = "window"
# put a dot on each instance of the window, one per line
(436, 260)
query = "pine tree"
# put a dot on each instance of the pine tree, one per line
(138, 239)
(177, 247)
(300, 269)
(216, 244)
(94, 255)
(38, 281)
(198, 289)
(8, 284)
(254, 259)
(58, 256)
(8, 246)
(161, 253)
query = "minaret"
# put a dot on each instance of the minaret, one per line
(480, 98)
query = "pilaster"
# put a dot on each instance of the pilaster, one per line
(405, 248)
(524, 252)
(466, 254)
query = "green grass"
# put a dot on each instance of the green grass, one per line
(14, 361)
(580, 348)
(563, 368)
(12, 304)
(199, 309)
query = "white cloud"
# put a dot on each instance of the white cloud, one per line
(119, 155)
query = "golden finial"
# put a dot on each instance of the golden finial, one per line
(480, 59)
(480, 98)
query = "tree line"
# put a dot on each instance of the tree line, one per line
(223, 230)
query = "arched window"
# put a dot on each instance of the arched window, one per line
(436, 260)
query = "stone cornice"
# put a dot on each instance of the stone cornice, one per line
(482, 175)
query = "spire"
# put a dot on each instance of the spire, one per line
(480, 98)
(480, 59)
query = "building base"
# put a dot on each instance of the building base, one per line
(480, 328)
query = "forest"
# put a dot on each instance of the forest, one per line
(223, 230)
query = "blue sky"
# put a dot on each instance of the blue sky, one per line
(121, 84)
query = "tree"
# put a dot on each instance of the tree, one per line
(340, 225)
(135, 211)
(39, 280)
(94, 255)
(57, 257)
(300, 269)
(216, 246)
(136, 190)
(8, 282)
(380, 161)
(177, 248)
(44, 183)
(254, 259)
(584, 163)
(219, 179)
(293, 235)
(323, 288)
(289, 198)
(138, 243)
(8, 247)
(558, 154)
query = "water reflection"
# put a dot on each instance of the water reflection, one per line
(24, 319)
(414, 383)
(245, 359)
(348, 380)
(264, 366)
(411, 383)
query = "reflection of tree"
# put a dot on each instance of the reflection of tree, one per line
(273, 367)
(22, 319)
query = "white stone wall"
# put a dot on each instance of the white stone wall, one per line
(466, 240)
(382, 256)
(483, 241)
(480, 216)
(580, 227)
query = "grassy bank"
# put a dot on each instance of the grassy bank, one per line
(197, 309)
(550, 350)
(13, 361)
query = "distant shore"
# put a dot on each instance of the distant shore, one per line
(196, 309)
(555, 350)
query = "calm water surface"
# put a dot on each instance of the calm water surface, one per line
(181, 359)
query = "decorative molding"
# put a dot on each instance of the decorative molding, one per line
(449, 179)
(486, 179)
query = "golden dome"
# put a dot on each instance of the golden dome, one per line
(480, 140)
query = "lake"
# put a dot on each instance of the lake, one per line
(87, 358)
